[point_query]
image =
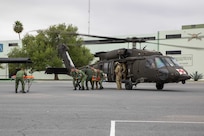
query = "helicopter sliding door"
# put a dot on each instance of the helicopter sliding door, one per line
(144, 70)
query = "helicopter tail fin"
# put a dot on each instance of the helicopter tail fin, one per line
(64, 54)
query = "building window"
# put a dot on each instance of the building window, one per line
(173, 52)
(12, 44)
(1, 47)
(148, 38)
(172, 36)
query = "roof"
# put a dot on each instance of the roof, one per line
(15, 60)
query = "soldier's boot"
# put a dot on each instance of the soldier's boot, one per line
(79, 87)
(16, 91)
(82, 87)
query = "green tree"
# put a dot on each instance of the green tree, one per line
(18, 28)
(17, 53)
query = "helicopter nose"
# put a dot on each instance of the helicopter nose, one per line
(182, 74)
(185, 77)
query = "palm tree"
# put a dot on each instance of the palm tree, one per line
(18, 28)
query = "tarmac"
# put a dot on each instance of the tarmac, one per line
(53, 108)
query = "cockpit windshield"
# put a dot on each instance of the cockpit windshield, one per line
(160, 62)
(175, 61)
(169, 61)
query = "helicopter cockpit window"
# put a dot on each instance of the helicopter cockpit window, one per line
(169, 61)
(150, 63)
(175, 61)
(159, 62)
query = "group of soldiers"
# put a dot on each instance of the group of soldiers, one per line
(88, 74)
(95, 77)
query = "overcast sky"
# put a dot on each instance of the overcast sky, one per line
(107, 17)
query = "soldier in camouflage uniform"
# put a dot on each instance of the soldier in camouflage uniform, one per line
(74, 75)
(82, 77)
(20, 78)
(100, 78)
(88, 71)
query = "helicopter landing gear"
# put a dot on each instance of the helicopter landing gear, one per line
(128, 85)
(183, 82)
(159, 86)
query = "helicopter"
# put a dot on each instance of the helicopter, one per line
(141, 65)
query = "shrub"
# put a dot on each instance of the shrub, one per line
(196, 76)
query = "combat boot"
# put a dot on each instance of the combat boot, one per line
(82, 87)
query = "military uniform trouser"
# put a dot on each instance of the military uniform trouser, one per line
(22, 83)
(76, 83)
(82, 82)
(89, 79)
(100, 83)
(118, 82)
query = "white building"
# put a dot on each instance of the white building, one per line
(186, 45)
(5, 48)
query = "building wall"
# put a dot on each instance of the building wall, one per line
(5, 48)
(191, 56)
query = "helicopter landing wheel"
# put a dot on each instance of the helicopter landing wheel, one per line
(128, 85)
(159, 86)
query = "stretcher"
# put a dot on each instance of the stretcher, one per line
(28, 80)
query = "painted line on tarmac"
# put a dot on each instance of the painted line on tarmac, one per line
(113, 123)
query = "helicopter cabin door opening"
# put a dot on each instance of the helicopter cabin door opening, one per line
(108, 68)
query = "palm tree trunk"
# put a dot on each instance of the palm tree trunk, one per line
(19, 36)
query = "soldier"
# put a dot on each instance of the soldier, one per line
(75, 81)
(100, 78)
(82, 77)
(94, 77)
(88, 71)
(20, 78)
(118, 73)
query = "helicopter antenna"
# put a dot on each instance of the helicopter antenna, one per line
(144, 47)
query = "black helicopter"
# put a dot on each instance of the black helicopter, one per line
(142, 66)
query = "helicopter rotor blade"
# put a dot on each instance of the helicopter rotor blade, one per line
(180, 46)
(103, 41)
